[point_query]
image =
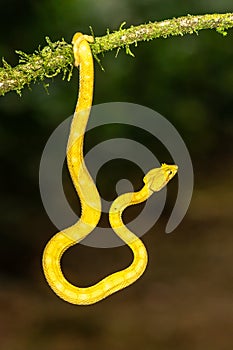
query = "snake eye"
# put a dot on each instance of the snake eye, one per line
(170, 174)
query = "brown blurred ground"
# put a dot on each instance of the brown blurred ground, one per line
(183, 301)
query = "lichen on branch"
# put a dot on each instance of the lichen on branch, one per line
(58, 57)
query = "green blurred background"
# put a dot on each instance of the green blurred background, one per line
(184, 299)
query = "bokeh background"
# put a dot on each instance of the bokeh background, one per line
(184, 299)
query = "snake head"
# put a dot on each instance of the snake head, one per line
(157, 178)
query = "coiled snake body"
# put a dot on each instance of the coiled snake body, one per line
(154, 180)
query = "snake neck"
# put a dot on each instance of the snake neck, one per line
(128, 199)
(124, 201)
(141, 196)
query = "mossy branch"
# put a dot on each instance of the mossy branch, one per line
(58, 57)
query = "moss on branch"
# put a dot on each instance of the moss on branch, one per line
(58, 57)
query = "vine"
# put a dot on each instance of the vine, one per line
(57, 57)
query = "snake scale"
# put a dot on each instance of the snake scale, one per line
(86, 189)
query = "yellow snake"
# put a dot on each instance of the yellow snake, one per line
(86, 189)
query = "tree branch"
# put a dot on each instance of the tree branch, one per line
(58, 57)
